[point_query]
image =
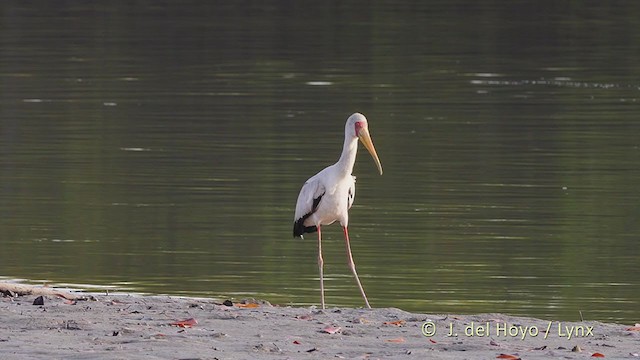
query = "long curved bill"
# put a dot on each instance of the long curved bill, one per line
(366, 140)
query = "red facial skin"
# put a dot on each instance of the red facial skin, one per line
(359, 125)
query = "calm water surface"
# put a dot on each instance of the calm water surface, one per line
(161, 148)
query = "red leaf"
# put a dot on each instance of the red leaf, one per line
(331, 329)
(396, 340)
(636, 327)
(507, 356)
(64, 296)
(185, 323)
(296, 342)
(397, 323)
(247, 306)
(597, 355)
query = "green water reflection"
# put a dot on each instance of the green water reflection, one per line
(160, 148)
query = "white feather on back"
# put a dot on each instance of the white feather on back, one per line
(312, 189)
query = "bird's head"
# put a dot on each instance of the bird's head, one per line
(358, 126)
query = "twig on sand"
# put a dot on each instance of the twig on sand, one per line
(14, 289)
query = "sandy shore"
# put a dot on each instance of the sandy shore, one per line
(140, 327)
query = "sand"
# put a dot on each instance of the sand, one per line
(140, 327)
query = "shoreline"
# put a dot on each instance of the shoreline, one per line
(171, 327)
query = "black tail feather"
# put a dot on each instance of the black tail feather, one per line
(298, 226)
(299, 229)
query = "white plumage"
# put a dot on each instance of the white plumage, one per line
(327, 196)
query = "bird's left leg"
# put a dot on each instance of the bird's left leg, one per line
(320, 266)
(352, 266)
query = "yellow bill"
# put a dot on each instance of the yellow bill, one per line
(364, 136)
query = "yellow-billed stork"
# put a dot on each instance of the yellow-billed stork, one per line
(327, 196)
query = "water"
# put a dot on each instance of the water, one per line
(160, 148)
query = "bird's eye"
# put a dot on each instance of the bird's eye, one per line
(359, 125)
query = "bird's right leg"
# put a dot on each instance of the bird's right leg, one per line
(320, 267)
(352, 266)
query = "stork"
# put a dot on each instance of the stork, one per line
(328, 195)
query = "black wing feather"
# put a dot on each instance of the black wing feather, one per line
(298, 225)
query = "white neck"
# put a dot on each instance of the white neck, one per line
(348, 156)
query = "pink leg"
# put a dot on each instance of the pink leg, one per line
(352, 266)
(320, 267)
